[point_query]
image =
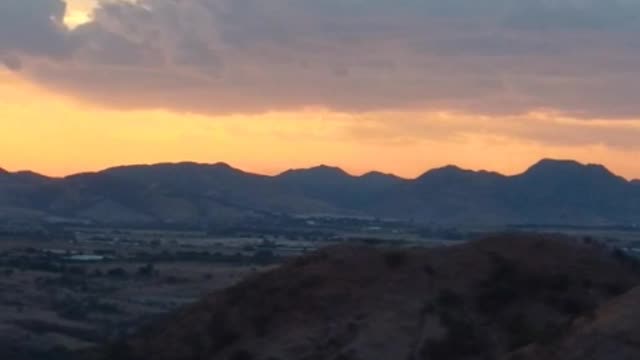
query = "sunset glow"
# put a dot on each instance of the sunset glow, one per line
(319, 179)
(58, 135)
(132, 87)
(78, 12)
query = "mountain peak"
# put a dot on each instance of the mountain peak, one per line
(378, 174)
(172, 165)
(555, 163)
(322, 170)
(191, 164)
(549, 167)
(380, 178)
(329, 169)
(31, 175)
(449, 169)
(451, 174)
(223, 165)
(446, 171)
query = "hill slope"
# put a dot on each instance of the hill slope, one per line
(613, 333)
(484, 300)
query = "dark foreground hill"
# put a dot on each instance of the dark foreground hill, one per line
(506, 297)
(612, 333)
(550, 192)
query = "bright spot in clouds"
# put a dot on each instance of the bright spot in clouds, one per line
(74, 19)
(79, 12)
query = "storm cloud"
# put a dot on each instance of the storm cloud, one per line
(578, 58)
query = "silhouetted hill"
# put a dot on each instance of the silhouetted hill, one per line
(334, 186)
(22, 178)
(567, 168)
(322, 173)
(560, 175)
(367, 303)
(190, 193)
(382, 179)
(453, 195)
(550, 192)
(611, 333)
(580, 194)
(30, 177)
(15, 190)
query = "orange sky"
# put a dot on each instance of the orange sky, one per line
(56, 135)
(50, 121)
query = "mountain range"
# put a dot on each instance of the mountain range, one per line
(555, 192)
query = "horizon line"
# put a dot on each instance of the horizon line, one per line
(322, 165)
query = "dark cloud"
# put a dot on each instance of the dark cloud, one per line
(545, 130)
(577, 57)
(32, 26)
(11, 62)
(549, 15)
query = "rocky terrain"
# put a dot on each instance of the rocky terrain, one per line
(504, 297)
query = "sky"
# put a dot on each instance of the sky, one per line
(398, 86)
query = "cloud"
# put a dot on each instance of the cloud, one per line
(495, 57)
(11, 62)
(32, 26)
(541, 129)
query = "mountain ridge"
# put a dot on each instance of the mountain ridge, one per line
(222, 164)
(550, 191)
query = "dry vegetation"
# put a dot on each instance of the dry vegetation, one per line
(485, 300)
